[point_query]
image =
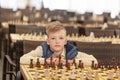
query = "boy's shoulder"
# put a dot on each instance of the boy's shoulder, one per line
(71, 43)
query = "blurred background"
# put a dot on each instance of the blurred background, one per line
(92, 25)
(80, 6)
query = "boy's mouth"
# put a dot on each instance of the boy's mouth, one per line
(57, 45)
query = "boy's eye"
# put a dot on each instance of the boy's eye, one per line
(61, 37)
(52, 38)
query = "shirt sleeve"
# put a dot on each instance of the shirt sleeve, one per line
(85, 58)
(34, 54)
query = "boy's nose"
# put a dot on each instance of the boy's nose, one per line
(57, 41)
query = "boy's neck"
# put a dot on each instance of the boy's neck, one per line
(57, 53)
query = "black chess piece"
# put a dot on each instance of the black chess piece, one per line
(82, 65)
(79, 65)
(92, 65)
(59, 63)
(68, 66)
(31, 63)
(45, 63)
(51, 59)
(102, 66)
(61, 66)
(99, 63)
(74, 63)
(66, 63)
(53, 65)
(38, 63)
(96, 66)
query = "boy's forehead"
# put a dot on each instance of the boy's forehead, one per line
(59, 32)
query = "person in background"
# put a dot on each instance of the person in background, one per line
(57, 45)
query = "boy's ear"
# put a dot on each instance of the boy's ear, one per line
(65, 42)
(47, 41)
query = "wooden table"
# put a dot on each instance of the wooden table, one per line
(30, 73)
(24, 72)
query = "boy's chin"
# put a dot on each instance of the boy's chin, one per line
(57, 50)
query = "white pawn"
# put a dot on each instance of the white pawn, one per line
(36, 74)
(78, 74)
(72, 73)
(63, 75)
(55, 75)
(82, 75)
(46, 73)
(89, 75)
(110, 76)
(96, 76)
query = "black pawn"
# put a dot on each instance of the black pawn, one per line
(51, 59)
(31, 63)
(92, 65)
(38, 63)
(79, 65)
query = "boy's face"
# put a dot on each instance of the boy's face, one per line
(56, 40)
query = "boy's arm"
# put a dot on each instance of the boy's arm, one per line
(34, 54)
(85, 58)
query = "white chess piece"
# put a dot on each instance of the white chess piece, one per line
(63, 75)
(96, 76)
(72, 73)
(46, 73)
(36, 74)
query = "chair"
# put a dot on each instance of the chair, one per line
(8, 65)
(12, 66)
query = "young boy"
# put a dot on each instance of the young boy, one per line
(57, 45)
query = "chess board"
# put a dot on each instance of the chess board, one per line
(64, 74)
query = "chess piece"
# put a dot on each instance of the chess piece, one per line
(51, 59)
(55, 75)
(92, 65)
(96, 66)
(59, 63)
(81, 75)
(102, 66)
(61, 66)
(45, 61)
(38, 63)
(68, 66)
(74, 62)
(31, 63)
(89, 75)
(63, 75)
(82, 65)
(72, 74)
(45, 64)
(99, 63)
(115, 65)
(109, 66)
(110, 76)
(79, 65)
(117, 73)
(77, 74)
(47, 73)
(36, 75)
(96, 76)
(66, 63)
(53, 65)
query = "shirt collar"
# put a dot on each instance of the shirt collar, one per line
(63, 53)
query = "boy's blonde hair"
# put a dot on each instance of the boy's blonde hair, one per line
(54, 26)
